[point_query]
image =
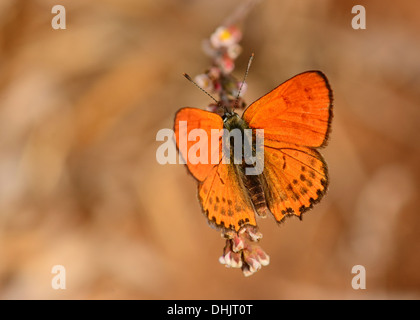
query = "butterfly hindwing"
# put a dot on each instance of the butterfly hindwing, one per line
(294, 177)
(224, 199)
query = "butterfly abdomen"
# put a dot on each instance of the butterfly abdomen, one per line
(256, 192)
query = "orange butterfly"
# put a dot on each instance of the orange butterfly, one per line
(296, 118)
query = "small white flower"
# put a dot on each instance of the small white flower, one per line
(247, 272)
(236, 262)
(254, 265)
(204, 82)
(234, 50)
(264, 261)
(225, 63)
(227, 258)
(255, 236)
(224, 37)
(237, 244)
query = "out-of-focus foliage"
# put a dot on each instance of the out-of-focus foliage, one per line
(80, 185)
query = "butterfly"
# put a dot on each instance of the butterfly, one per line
(296, 119)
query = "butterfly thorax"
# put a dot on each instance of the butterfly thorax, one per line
(233, 121)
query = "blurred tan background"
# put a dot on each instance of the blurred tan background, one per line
(80, 185)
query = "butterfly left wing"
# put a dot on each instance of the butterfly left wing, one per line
(224, 199)
(221, 192)
(189, 119)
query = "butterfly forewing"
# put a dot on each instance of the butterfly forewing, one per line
(298, 111)
(188, 119)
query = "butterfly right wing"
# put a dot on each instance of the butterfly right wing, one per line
(296, 118)
(299, 111)
(295, 178)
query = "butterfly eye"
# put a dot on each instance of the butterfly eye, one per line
(225, 117)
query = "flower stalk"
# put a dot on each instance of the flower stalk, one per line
(241, 249)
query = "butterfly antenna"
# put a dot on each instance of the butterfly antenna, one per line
(243, 81)
(191, 80)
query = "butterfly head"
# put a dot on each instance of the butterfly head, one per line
(231, 120)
